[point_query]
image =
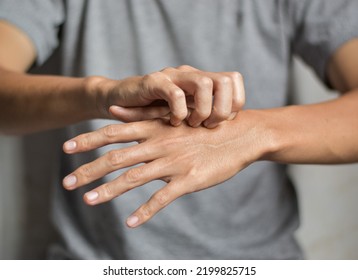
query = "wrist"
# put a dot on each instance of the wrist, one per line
(262, 133)
(278, 134)
(97, 90)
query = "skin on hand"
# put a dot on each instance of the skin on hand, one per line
(188, 159)
(213, 97)
(192, 159)
(318, 133)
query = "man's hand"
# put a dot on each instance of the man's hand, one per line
(213, 97)
(188, 159)
(209, 97)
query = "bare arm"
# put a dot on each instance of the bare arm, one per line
(325, 132)
(319, 133)
(30, 103)
(34, 103)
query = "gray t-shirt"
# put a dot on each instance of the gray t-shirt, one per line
(251, 216)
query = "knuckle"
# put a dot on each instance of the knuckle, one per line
(224, 81)
(168, 69)
(146, 79)
(146, 82)
(85, 142)
(195, 177)
(161, 198)
(176, 93)
(86, 171)
(146, 212)
(152, 77)
(108, 191)
(193, 173)
(185, 68)
(236, 76)
(110, 131)
(205, 82)
(133, 175)
(115, 157)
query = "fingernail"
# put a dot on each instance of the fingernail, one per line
(91, 196)
(69, 181)
(132, 221)
(70, 145)
(232, 116)
(194, 124)
(212, 125)
(175, 123)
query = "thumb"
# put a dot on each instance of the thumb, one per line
(134, 114)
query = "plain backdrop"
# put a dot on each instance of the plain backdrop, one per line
(328, 195)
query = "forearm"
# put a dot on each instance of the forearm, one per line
(31, 103)
(324, 133)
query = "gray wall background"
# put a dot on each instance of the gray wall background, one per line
(328, 195)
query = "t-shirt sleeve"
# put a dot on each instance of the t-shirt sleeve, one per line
(320, 28)
(39, 19)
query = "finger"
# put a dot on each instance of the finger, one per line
(232, 116)
(132, 178)
(238, 98)
(111, 161)
(158, 201)
(139, 113)
(201, 88)
(203, 102)
(177, 103)
(115, 133)
(161, 87)
(222, 106)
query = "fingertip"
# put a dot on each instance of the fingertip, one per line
(175, 122)
(91, 197)
(69, 146)
(232, 116)
(132, 221)
(116, 110)
(194, 120)
(193, 124)
(210, 125)
(69, 182)
(196, 125)
(125, 114)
